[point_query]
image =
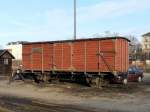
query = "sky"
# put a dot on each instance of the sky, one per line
(46, 20)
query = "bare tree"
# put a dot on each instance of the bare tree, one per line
(107, 33)
(111, 34)
(135, 49)
(133, 39)
(97, 35)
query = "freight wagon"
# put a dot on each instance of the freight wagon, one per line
(89, 60)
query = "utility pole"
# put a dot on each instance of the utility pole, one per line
(75, 20)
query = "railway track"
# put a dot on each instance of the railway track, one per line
(13, 104)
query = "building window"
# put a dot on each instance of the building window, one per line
(146, 40)
(1, 61)
(5, 61)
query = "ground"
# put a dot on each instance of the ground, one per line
(68, 97)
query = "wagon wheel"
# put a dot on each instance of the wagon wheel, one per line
(93, 82)
(88, 81)
(105, 83)
(46, 78)
(100, 82)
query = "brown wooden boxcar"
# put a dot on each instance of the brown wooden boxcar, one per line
(88, 57)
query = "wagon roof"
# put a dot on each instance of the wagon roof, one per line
(86, 39)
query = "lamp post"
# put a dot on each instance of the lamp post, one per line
(75, 20)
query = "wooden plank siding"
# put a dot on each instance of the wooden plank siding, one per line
(99, 55)
(5, 63)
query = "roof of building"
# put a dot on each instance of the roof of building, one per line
(3, 51)
(147, 34)
(92, 39)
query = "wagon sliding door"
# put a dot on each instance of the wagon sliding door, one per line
(92, 59)
(62, 56)
(106, 55)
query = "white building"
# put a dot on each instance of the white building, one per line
(146, 42)
(16, 49)
(146, 47)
